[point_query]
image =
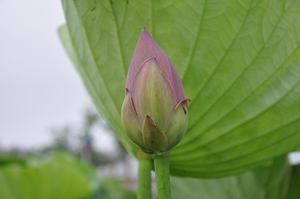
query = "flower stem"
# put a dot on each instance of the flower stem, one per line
(162, 172)
(144, 176)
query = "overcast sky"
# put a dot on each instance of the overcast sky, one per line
(39, 87)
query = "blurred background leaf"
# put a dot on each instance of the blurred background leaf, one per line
(112, 189)
(9, 158)
(239, 62)
(61, 175)
(58, 175)
(274, 181)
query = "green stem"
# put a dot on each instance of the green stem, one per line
(144, 176)
(162, 172)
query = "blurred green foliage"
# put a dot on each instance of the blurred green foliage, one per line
(276, 180)
(112, 188)
(8, 158)
(55, 176)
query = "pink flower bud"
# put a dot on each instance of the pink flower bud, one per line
(154, 112)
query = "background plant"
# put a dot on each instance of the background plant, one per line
(238, 60)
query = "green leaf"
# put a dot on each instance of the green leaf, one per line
(268, 182)
(59, 177)
(239, 62)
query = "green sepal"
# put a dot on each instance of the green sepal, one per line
(130, 120)
(178, 124)
(155, 140)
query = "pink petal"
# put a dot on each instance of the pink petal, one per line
(147, 48)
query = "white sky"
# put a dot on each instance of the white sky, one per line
(39, 87)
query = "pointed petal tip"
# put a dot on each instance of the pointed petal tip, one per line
(128, 104)
(148, 117)
(144, 30)
(183, 101)
(149, 121)
(146, 34)
(186, 100)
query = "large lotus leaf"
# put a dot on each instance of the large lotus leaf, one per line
(239, 62)
(59, 177)
(268, 182)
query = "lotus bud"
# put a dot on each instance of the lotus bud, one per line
(154, 112)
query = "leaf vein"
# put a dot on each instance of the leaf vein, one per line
(190, 57)
(224, 55)
(244, 71)
(96, 63)
(118, 38)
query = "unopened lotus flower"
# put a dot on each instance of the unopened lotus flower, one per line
(154, 111)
